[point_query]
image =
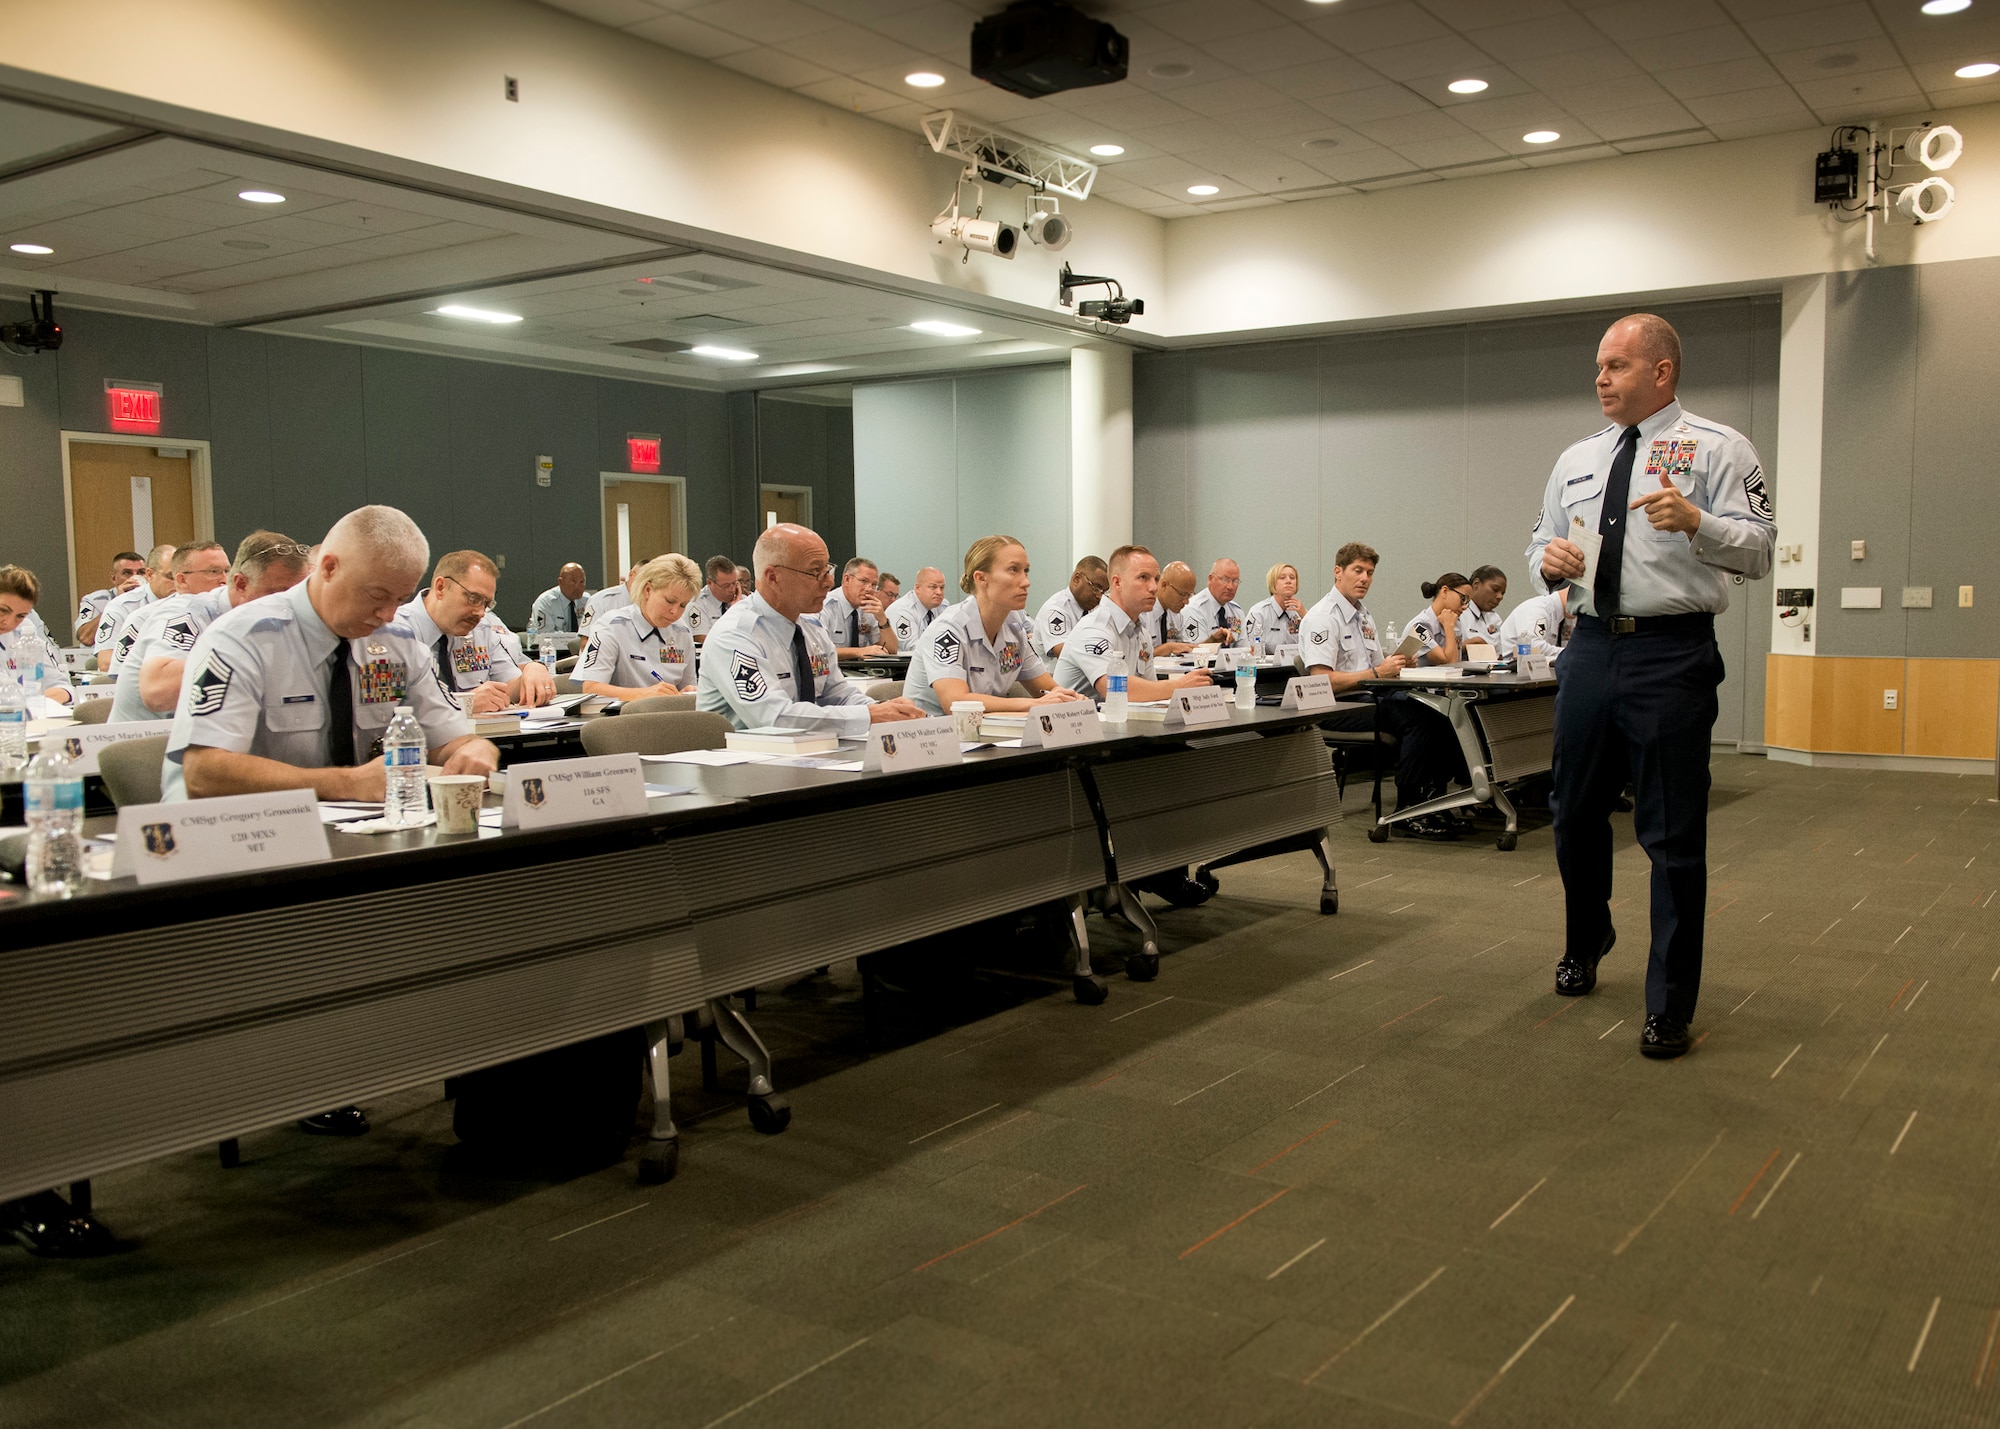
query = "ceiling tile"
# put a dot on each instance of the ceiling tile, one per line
(1729, 77)
(1278, 122)
(1281, 47)
(1826, 25)
(774, 67)
(1521, 111)
(1378, 27)
(1751, 128)
(846, 49)
(1854, 95)
(1451, 55)
(1769, 103)
(1228, 96)
(851, 95)
(1396, 132)
(766, 21)
(1472, 14)
(1618, 125)
(1647, 143)
(1203, 22)
(1360, 105)
(935, 28)
(616, 13)
(1631, 20)
(1441, 153)
(1833, 61)
(1547, 160)
(1692, 47)
(690, 37)
(1598, 66)
(1339, 75)
(1538, 39)
(1626, 94)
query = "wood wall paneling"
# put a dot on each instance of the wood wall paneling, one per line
(1952, 709)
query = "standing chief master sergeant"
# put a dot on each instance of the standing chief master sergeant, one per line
(1681, 506)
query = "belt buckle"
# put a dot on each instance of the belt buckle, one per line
(1623, 624)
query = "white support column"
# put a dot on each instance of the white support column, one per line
(1100, 450)
(1801, 413)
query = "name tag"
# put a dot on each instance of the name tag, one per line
(911, 744)
(573, 791)
(83, 743)
(1198, 705)
(1308, 693)
(246, 833)
(1059, 726)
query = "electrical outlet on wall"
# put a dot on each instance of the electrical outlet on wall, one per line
(1888, 699)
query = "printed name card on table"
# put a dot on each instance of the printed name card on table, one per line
(205, 838)
(1059, 726)
(1308, 693)
(573, 791)
(84, 742)
(1198, 705)
(897, 745)
(1538, 667)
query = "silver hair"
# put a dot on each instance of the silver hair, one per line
(382, 533)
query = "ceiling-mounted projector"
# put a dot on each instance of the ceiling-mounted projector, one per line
(978, 235)
(1038, 47)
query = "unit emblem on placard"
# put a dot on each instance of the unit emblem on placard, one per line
(532, 793)
(889, 746)
(73, 747)
(159, 839)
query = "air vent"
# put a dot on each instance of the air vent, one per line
(696, 282)
(657, 345)
(709, 322)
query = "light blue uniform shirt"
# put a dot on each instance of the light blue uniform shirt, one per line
(702, 612)
(1428, 627)
(833, 618)
(1059, 615)
(1477, 624)
(485, 653)
(955, 647)
(1271, 623)
(1666, 572)
(1203, 615)
(119, 612)
(624, 649)
(910, 617)
(1339, 635)
(168, 627)
(551, 611)
(256, 683)
(1537, 620)
(1106, 631)
(747, 674)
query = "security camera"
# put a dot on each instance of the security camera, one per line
(978, 235)
(41, 333)
(1048, 228)
(1115, 309)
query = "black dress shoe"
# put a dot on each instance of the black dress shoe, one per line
(49, 1226)
(1427, 826)
(1177, 888)
(1665, 1037)
(1575, 976)
(341, 1121)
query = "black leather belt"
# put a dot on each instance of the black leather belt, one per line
(1686, 623)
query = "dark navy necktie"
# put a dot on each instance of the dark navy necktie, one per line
(1611, 524)
(854, 629)
(572, 617)
(802, 666)
(339, 709)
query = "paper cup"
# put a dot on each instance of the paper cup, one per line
(967, 714)
(455, 798)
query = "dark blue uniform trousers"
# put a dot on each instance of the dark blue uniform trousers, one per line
(1642, 707)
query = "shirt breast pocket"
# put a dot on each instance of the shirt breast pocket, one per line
(295, 715)
(1582, 499)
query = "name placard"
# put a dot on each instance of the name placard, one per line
(1059, 726)
(902, 744)
(1309, 693)
(1198, 705)
(573, 791)
(84, 742)
(1539, 667)
(204, 838)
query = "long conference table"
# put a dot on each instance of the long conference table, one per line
(139, 1022)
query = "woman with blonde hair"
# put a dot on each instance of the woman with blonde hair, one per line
(1275, 619)
(980, 648)
(645, 648)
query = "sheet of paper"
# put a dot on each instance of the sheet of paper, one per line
(1590, 543)
(714, 758)
(669, 791)
(1411, 648)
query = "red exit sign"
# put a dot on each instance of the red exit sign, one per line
(132, 406)
(642, 451)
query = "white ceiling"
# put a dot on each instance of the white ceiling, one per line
(1279, 100)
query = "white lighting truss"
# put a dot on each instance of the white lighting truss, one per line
(1007, 158)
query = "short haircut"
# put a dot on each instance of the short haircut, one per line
(383, 533)
(1090, 564)
(158, 558)
(124, 556)
(889, 576)
(1657, 339)
(1122, 557)
(981, 556)
(1482, 574)
(261, 550)
(1354, 551)
(719, 566)
(1271, 576)
(672, 571)
(20, 581)
(859, 563)
(192, 548)
(457, 565)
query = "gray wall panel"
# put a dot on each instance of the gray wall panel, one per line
(97, 346)
(240, 428)
(1160, 449)
(31, 459)
(811, 444)
(319, 448)
(1013, 473)
(1253, 455)
(905, 475)
(408, 448)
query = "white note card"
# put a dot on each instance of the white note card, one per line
(1059, 726)
(573, 791)
(896, 745)
(1309, 693)
(1198, 705)
(1590, 543)
(205, 838)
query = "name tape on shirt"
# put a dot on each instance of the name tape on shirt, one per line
(1308, 693)
(205, 838)
(1059, 726)
(84, 743)
(573, 791)
(1198, 705)
(911, 744)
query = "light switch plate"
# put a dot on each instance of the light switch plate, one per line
(1965, 597)
(1858, 550)
(1916, 597)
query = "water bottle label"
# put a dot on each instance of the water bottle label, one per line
(15, 715)
(1117, 685)
(411, 755)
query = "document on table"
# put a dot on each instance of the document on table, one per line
(1590, 543)
(714, 758)
(344, 811)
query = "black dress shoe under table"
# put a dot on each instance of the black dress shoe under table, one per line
(50, 1226)
(1575, 976)
(341, 1121)
(1664, 1037)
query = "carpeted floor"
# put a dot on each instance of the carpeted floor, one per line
(1362, 1170)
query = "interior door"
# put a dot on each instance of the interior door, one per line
(641, 522)
(780, 505)
(125, 498)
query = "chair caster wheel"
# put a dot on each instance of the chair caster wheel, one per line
(1379, 834)
(1208, 880)
(1144, 965)
(1090, 991)
(1507, 841)
(229, 1154)
(659, 1162)
(1329, 903)
(771, 1114)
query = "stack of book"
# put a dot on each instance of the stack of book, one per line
(775, 739)
(1002, 726)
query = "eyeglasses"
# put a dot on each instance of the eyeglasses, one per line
(472, 597)
(815, 574)
(283, 548)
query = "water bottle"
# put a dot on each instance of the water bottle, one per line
(31, 660)
(403, 798)
(1246, 686)
(1522, 650)
(545, 651)
(13, 721)
(1114, 690)
(53, 797)
(1389, 640)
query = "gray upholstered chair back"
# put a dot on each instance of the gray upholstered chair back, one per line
(92, 711)
(131, 769)
(664, 732)
(886, 690)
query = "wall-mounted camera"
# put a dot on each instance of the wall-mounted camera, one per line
(40, 333)
(1115, 309)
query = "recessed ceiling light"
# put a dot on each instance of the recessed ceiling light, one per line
(1978, 71)
(1322, 2)
(924, 79)
(477, 315)
(1466, 86)
(727, 354)
(1323, 141)
(1203, 190)
(1107, 151)
(1945, 7)
(1172, 69)
(1540, 136)
(260, 196)
(944, 329)
(36, 250)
